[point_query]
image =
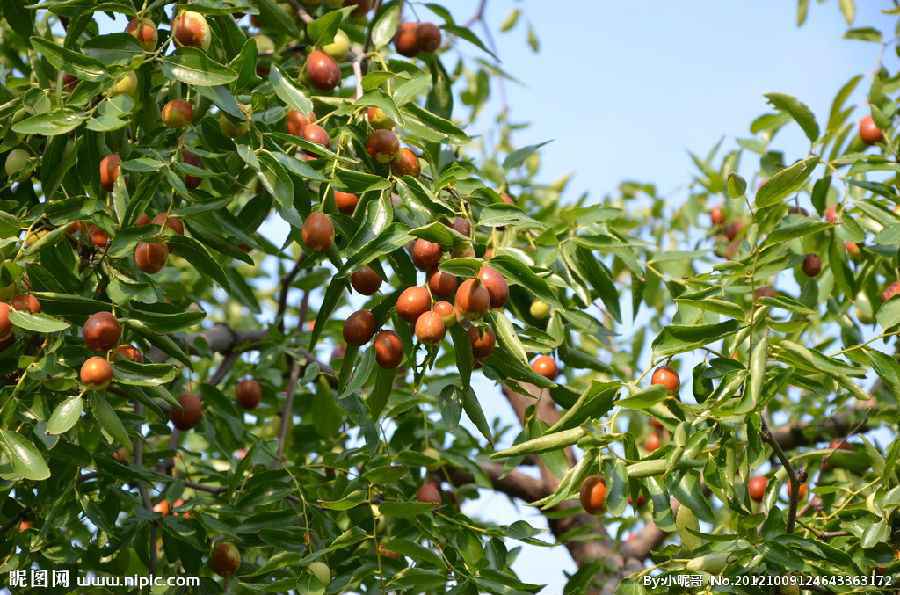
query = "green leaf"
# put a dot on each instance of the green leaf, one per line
(404, 509)
(462, 346)
(678, 338)
(518, 157)
(785, 182)
(473, 409)
(193, 66)
(595, 401)
(197, 255)
(644, 398)
(848, 9)
(65, 415)
(26, 459)
(889, 314)
(384, 382)
(864, 34)
(351, 500)
(288, 93)
(467, 34)
(140, 374)
(109, 420)
(736, 186)
(50, 124)
(502, 215)
(516, 271)
(38, 323)
(75, 63)
(799, 111)
(385, 27)
(546, 443)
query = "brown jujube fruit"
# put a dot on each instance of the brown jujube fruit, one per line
(101, 331)
(169, 222)
(425, 254)
(99, 238)
(5, 323)
(248, 394)
(593, 494)
(26, 301)
(317, 232)
(129, 352)
(496, 285)
(472, 299)
(144, 31)
(667, 377)
(316, 134)
(812, 265)
(382, 145)
(151, 257)
(446, 311)
(225, 559)
(177, 113)
(442, 284)
(109, 171)
(322, 71)
(365, 280)
(412, 303)
(651, 442)
(96, 372)
(295, 122)
(462, 226)
(869, 132)
(190, 181)
(189, 28)
(428, 37)
(406, 163)
(359, 327)
(345, 201)
(406, 41)
(430, 328)
(429, 493)
(189, 414)
(482, 341)
(388, 349)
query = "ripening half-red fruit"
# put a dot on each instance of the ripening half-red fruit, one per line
(406, 163)
(802, 493)
(428, 37)
(225, 559)
(144, 31)
(430, 328)
(96, 373)
(191, 29)
(406, 41)
(388, 349)
(129, 352)
(99, 238)
(359, 327)
(496, 285)
(651, 442)
(446, 311)
(168, 222)
(505, 198)
(177, 113)
(109, 171)
(593, 494)
(345, 201)
(101, 332)
(26, 301)
(248, 394)
(869, 132)
(378, 119)
(295, 122)
(151, 257)
(812, 265)
(429, 493)
(482, 341)
(425, 254)
(831, 214)
(317, 232)
(462, 226)
(70, 81)
(853, 249)
(545, 366)
(412, 303)
(316, 134)
(442, 284)
(891, 290)
(382, 145)
(756, 487)
(667, 377)
(5, 323)
(322, 71)
(472, 299)
(191, 181)
(188, 414)
(365, 280)
(717, 216)
(765, 291)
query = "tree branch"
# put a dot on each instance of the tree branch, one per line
(287, 413)
(145, 494)
(794, 485)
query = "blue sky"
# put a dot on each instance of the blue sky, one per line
(625, 89)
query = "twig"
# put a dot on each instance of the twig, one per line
(301, 11)
(231, 357)
(200, 487)
(145, 494)
(479, 14)
(794, 491)
(287, 412)
(286, 282)
(357, 72)
(364, 61)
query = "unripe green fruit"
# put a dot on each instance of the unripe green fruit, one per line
(126, 85)
(685, 520)
(321, 571)
(539, 309)
(712, 563)
(16, 161)
(339, 47)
